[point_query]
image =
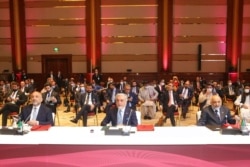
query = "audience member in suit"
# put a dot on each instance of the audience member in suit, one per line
(89, 102)
(185, 97)
(97, 77)
(32, 84)
(23, 88)
(132, 97)
(29, 86)
(51, 75)
(215, 114)
(230, 91)
(43, 116)
(59, 79)
(205, 96)
(121, 86)
(2, 91)
(217, 88)
(135, 88)
(239, 86)
(55, 87)
(170, 105)
(24, 75)
(160, 88)
(243, 101)
(121, 114)
(51, 98)
(148, 96)
(71, 88)
(12, 77)
(110, 96)
(78, 92)
(198, 86)
(14, 99)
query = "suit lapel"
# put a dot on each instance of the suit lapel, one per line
(126, 115)
(213, 114)
(115, 116)
(222, 113)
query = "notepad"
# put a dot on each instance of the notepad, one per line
(145, 128)
(40, 127)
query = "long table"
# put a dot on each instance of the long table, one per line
(88, 146)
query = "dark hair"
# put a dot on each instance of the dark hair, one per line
(247, 84)
(47, 84)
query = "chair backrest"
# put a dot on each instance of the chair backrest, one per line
(138, 115)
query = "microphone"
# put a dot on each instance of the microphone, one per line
(126, 128)
(129, 117)
(26, 120)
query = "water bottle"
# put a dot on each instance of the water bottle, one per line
(243, 127)
(20, 127)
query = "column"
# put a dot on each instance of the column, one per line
(93, 35)
(165, 35)
(18, 35)
(234, 37)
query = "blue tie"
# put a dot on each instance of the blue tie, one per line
(119, 117)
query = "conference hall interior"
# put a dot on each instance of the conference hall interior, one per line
(146, 41)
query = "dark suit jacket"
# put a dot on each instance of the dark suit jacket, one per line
(97, 78)
(129, 117)
(196, 87)
(165, 98)
(134, 101)
(189, 95)
(109, 93)
(55, 94)
(208, 117)
(22, 98)
(137, 89)
(94, 98)
(226, 91)
(160, 89)
(44, 115)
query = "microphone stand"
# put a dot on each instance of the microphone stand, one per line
(126, 131)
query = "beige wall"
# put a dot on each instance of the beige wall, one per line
(129, 35)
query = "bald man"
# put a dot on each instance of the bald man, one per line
(215, 114)
(37, 113)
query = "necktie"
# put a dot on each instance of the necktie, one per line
(48, 97)
(129, 102)
(217, 115)
(12, 94)
(134, 90)
(231, 91)
(170, 101)
(113, 96)
(34, 114)
(87, 99)
(185, 93)
(119, 117)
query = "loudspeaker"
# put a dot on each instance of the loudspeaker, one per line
(199, 56)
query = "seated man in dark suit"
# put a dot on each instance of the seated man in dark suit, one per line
(51, 98)
(14, 99)
(215, 114)
(88, 102)
(37, 113)
(121, 114)
(132, 97)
